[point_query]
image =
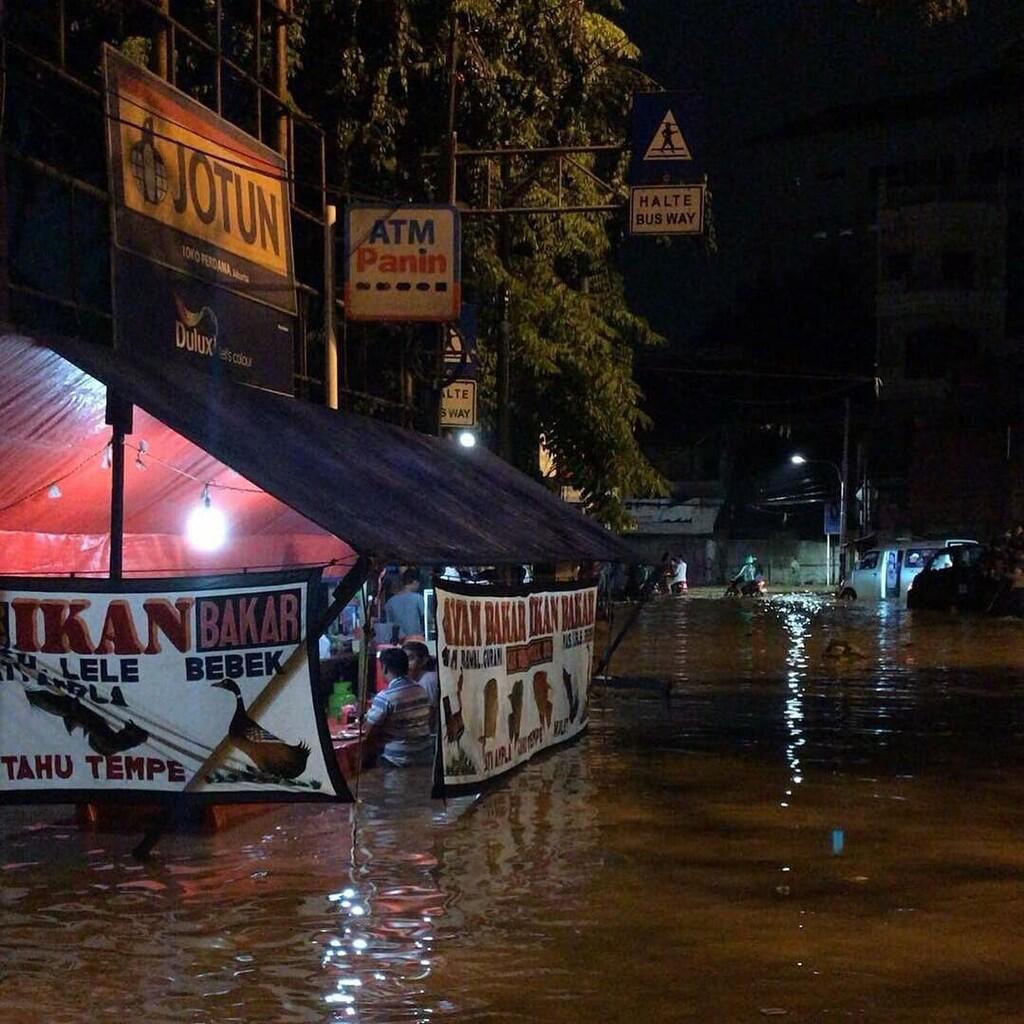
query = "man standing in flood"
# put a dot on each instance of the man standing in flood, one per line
(399, 716)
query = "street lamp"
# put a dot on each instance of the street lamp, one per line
(799, 460)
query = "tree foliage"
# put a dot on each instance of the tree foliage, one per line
(933, 12)
(532, 73)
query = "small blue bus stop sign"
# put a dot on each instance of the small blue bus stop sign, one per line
(832, 518)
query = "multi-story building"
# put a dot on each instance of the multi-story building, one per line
(909, 213)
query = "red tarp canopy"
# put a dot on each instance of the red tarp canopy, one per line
(300, 476)
(52, 432)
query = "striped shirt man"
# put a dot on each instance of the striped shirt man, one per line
(400, 715)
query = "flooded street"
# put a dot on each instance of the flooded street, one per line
(803, 829)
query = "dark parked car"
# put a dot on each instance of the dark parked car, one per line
(954, 579)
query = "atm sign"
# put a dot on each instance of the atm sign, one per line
(402, 263)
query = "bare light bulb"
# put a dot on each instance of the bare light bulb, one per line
(207, 526)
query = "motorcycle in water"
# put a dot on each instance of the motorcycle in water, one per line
(751, 588)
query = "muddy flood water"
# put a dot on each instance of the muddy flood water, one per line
(789, 835)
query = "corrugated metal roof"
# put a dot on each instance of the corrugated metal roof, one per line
(389, 493)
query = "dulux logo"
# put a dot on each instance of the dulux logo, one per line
(187, 333)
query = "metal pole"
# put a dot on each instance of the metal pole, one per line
(160, 48)
(504, 335)
(828, 559)
(330, 338)
(843, 482)
(119, 416)
(219, 14)
(504, 329)
(450, 145)
(117, 505)
(451, 139)
(258, 56)
(281, 75)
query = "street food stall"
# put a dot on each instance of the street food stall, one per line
(299, 489)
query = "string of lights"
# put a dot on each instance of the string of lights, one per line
(55, 482)
(206, 527)
(145, 453)
(181, 569)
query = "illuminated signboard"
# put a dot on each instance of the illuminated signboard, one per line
(402, 263)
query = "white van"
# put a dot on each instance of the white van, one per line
(887, 571)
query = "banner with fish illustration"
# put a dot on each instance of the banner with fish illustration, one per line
(514, 670)
(204, 688)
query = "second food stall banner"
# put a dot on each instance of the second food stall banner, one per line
(514, 671)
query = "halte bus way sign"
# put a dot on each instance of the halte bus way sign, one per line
(458, 404)
(666, 210)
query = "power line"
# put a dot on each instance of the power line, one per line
(696, 371)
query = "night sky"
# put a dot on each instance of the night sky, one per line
(757, 67)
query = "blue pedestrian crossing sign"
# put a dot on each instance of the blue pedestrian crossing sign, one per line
(666, 130)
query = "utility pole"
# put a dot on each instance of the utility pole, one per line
(449, 148)
(451, 139)
(503, 375)
(844, 489)
(161, 64)
(504, 329)
(119, 417)
(281, 75)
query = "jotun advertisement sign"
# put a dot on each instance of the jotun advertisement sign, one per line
(151, 689)
(208, 205)
(514, 670)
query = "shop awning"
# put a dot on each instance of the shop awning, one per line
(300, 483)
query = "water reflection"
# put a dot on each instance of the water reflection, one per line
(795, 615)
(648, 872)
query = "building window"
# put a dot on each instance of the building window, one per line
(958, 270)
(987, 168)
(934, 352)
(896, 266)
(868, 561)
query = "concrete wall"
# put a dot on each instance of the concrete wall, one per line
(776, 556)
(710, 562)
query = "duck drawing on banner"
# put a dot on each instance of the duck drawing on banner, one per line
(490, 713)
(571, 695)
(271, 755)
(515, 718)
(542, 698)
(454, 727)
